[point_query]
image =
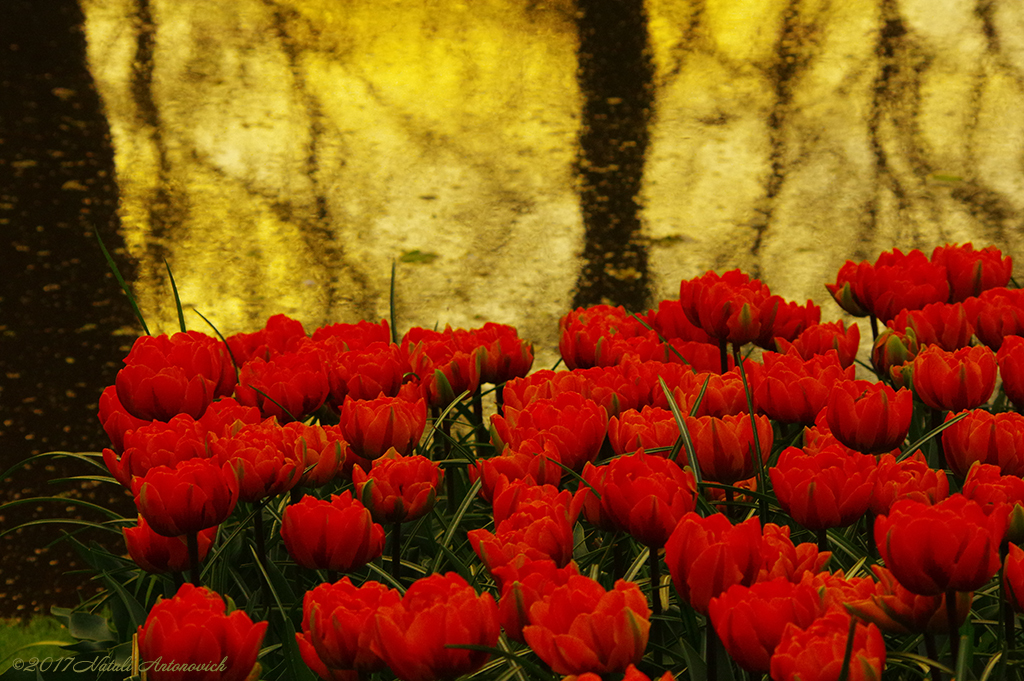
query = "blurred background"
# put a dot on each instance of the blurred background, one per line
(513, 158)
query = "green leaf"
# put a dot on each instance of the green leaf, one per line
(177, 300)
(418, 256)
(121, 281)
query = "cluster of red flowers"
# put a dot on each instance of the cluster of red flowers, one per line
(602, 444)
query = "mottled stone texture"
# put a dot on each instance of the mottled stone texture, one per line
(281, 154)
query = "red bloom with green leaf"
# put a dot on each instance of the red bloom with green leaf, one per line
(372, 427)
(156, 553)
(580, 627)
(335, 535)
(730, 308)
(817, 652)
(192, 496)
(706, 556)
(725, 447)
(971, 272)
(193, 628)
(954, 381)
(412, 637)
(869, 417)
(829, 488)
(794, 390)
(398, 488)
(951, 545)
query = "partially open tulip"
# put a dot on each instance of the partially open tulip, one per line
(952, 545)
(533, 460)
(725, 447)
(984, 437)
(820, 338)
(156, 553)
(730, 308)
(288, 387)
(971, 272)
(942, 324)
(1011, 369)
(192, 496)
(335, 535)
(372, 427)
(263, 458)
(830, 488)
(586, 334)
(180, 374)
(504, 355)
(794, 390)
(895, 281)
(523, 582)
(869, 417)
(157, 443)
(817, 652)
(412, 637)
(954, 381)
(646, 496)
(336, 622)
(398, 488)
(895, 610)
(705, 556)
(580, 627)
(365, 373)
(996, 314)
(782, 558)
(1013, 578)
(575, 424)
(193, 628)
(749, 620)
(911, 478)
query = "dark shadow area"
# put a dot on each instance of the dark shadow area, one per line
(64, 325)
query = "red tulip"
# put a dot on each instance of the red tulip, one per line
(193, 629)
(158, 443)
(895, 610)
(818, 339)
(894, 282)
(791, 319)
(533, 461)
(894, 349)
(192, 496)
(732, 308)
(264, 461)
(996, 314)
(365, 373)
(998, 493)
(794, 390)
(706, 556)
(670, 322)
(954, 381)
(355, 336)
(580, 627)
(1013, 578)
(911, 478)
(372, 427)
(115, 419)
(952, 545)
(724, 395)
(749, 620)
(610, 387)
(504, 354)
(984, 437)
(226, 417)
(539, 530)
(181, 374)
(586, 334)
(650, 428)
(971, 272)
(522, 583)
(445, 369)
(647, 496)
(398, 489)
(279, 336)
(156, 553)
(869, 417)
(321, 447)
(288, 386)
(725, 446)
(817, 652)
(437, 611)
(830, 488)
(783, 559)
(335, 535)
(575, 424)
(1011, 368)
(336, 623)
(942, 324)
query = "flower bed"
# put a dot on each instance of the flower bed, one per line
(337, 504)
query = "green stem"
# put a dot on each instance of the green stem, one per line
(823, 539)
(933, 654)
(257, 528)
(936, 421)
(192, 542)
(711, 651)
(482, 436)
(874, 328)
(954, 630)
(723, 353)
(396, 551)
